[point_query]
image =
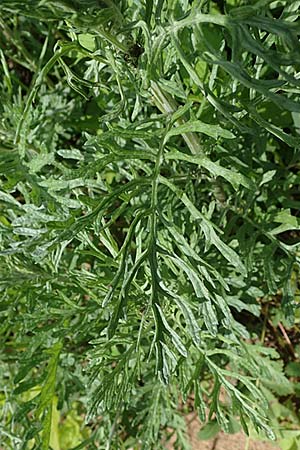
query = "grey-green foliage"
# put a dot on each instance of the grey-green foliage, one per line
(149, 173)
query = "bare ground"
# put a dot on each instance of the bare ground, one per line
(222, 441)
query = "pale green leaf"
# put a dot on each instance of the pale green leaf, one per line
(214, 131)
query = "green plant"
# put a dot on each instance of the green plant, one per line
(149, 176)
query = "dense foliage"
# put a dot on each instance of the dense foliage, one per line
(149, 199)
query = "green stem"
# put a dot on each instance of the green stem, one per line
(37, 84)
(167, 105)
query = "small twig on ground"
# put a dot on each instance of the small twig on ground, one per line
(284, 333)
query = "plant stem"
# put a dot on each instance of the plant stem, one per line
(167, 105)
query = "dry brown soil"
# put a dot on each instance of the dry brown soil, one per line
(223, 441)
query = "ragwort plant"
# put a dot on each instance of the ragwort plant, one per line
(149, 175)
